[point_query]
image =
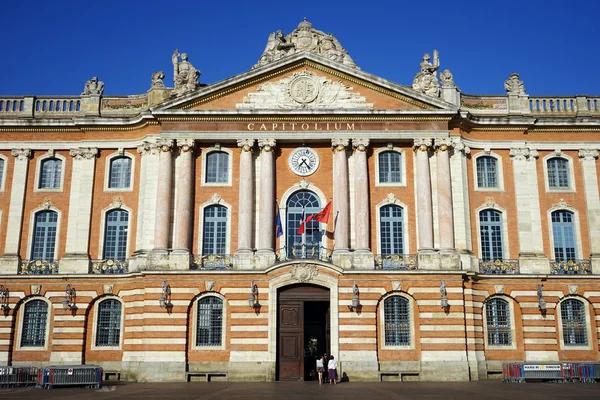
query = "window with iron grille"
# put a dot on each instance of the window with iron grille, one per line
(490, 229)
(487, 172)
(108, 327)
(50, 176)
(214, 238)
(120, 173)
(390, 222)
(563, 232)
(44, 235)
(574, 323)
(300, 205)
(35, 315)
(390, 167)
(558, 173)
(396, 316)
(1, 171)
(498, 322)
(115, 235)
(217, 167)
(209, 327)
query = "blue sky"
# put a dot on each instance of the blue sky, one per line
(52, 48)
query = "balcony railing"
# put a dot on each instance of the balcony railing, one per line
(38, 267)
(571, 267)
(110, 266)
(499, 267)
(303, 252)
(212, 262)
(396, 261)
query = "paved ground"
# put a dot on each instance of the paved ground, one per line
(488, 390)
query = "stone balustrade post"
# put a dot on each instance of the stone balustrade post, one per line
(163, 195)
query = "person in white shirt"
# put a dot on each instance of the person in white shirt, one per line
(321, 367)
(332, 371)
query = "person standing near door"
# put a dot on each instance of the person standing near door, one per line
(332, 370)
(321, 367)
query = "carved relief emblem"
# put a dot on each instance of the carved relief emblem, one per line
(210, 285)
(304, 272)
(36, 289)
(499, 289)
(396, 285)
(573, 289)
(108, 289)
(304, 89)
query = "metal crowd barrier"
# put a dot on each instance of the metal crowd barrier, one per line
(17, 376)
(554, 372)
(70, 375)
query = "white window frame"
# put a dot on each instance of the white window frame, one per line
(3, 177)
(499, 171)
(578, 246)
(103, 228)
(32, 226)
(513, 328)
(505, 242)
(391, 199)
(559, 154)
(95, 324)
(213, 201)
(109, 158)
(38, 172)
(22, 317)
(411, 306)
(194, 326)
(588, 325)
(402, 153)
(229, 166)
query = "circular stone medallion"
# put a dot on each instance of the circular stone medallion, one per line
(304, 89)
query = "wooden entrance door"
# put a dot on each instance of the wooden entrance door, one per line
(291, 340)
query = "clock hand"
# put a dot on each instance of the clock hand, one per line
(304, 162)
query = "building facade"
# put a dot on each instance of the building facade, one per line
(171, 232)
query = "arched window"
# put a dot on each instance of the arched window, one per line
(572, 312)
(50, 177)
(487, 172)
(490, 227)
(396, 314)
(307, 243)
(209, 326)
(44, 235)
(563, 232)
(1, 172)
(35, 315)
(120, 173)
(108, 326)
(214, 238)
(115, 235)
(390, 167)
(391, 234)
(497, 313)
(558, 173)
(217, 167)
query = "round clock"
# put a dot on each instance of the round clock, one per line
(303, 161)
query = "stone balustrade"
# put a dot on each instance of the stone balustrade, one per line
(48, 106)
(560, 105)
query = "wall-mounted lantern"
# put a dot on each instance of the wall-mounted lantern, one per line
(355, 300)
(4, 298)
(541, 301)
(253, 299)
(68, 302)
(165, 298)
(444, 297)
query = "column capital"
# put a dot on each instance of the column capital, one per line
(245, 144)
(339, 144)
(84, 153)
(185, 145)
(588, 154)
(147, 148)
(21, 154)
(360, 144)
(422, 144)
(266, 144)
(443, 144)
(165, 145)
(523, 154)
(460, 146)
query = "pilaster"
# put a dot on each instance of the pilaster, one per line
(587, 158)
(460, 204)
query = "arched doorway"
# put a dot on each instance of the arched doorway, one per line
(303, 330)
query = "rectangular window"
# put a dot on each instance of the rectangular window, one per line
(487, 176)
(390, 167)
(217, 167)
(50, 177)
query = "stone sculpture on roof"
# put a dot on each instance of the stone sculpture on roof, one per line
(514, 85)
(185, 76)
(426, 80)
(157, 79)
(304, 38)
(93, 87)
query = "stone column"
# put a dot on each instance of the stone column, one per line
(448, 257)
(341, 204)
(460, 204)
(424, 205)
(76, 259)
(363, 257)
(246, 196)
(9, 262)
(163, 196)
(587, 158)
(185, 187)
(266, 235)
(531, 247)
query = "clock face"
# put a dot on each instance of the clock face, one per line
(304, 161)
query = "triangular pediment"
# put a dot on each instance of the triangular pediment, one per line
(305, 81)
